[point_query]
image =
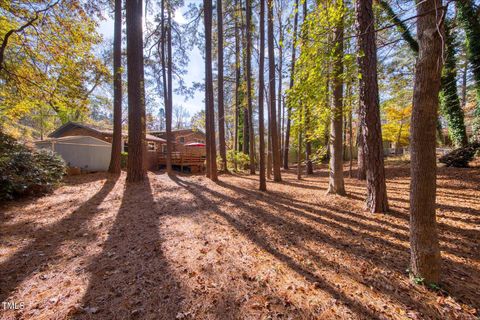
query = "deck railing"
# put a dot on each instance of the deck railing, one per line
(183, 159)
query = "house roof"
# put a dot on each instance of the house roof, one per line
(79, 140)
(190, 130)
(71, 125)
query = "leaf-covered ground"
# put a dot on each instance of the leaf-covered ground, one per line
(186, 248)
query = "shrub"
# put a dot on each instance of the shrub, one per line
(123, 160)
(24, 172)
(321, 155)
(242, 159)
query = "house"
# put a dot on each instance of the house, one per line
(89, 147)
(182, 136)
(188, 149)
(85, 152)
(79, 129)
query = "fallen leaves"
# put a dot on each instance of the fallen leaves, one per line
(208, 250)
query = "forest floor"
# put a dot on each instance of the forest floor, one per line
(187, 248)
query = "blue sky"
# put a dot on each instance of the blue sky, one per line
(195, 68)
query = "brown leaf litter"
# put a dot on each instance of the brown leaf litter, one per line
(187, 248)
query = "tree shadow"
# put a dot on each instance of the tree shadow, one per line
(84, 178)
(131, 277)
(262, 241)
(364, 245)
(48, 240)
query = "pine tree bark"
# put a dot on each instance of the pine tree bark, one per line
(261, 88)
(251, 134)
(308, 157)
(163, 58)
(271, 75)
(350, 143)
(115, 159)
(335, 181)
(221, 109)
(299, 154)
(280, 78)
(370, 108)
(209, 103)
(136, 92)
(361, 170)
(308, 145)
(286, 147)
(269, 145)
(169, 106)
(245, 123)
(425, 252)
(237, 81)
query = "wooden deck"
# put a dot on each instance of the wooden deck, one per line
(196, 163)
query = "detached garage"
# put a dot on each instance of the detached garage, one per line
(85, 152)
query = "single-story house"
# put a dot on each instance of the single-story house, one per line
(89, 147)
(85, 152)
(182, 136)
(79, 129)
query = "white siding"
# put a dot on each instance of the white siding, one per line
(88, 153)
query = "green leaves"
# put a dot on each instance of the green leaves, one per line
(309, 97)
(50, 65)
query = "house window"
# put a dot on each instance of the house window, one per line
(182, 139)
(164, 148)
(151, 146)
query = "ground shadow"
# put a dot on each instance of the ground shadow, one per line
(131, 278)
(369, 248)
(48, 240)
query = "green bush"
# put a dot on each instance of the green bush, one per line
(24, 172)
(321, 155)
(123, 160)
(240, 158)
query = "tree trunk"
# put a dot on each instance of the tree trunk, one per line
(221, 111)
(269, 154)
(464, 82)
(350, 143)
(308, 144)
(209, 103)
(271, 75)
(237, 82)
(286, 147)
(169, 107)
(245, 123)
(261, 88)
(280, 78)
(425, 252)
(115, 159)
(335, 182)
(308, 154)
(361, 170)
(401, 26)
(449, 100)
(136, 92)
(251, 133)
(163, 44)
(370, 108)
(299, 154)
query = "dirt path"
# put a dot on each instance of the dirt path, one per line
(185, 248)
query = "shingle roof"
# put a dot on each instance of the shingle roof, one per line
(70, 125)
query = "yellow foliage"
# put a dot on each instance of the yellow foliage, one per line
(397, 126)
